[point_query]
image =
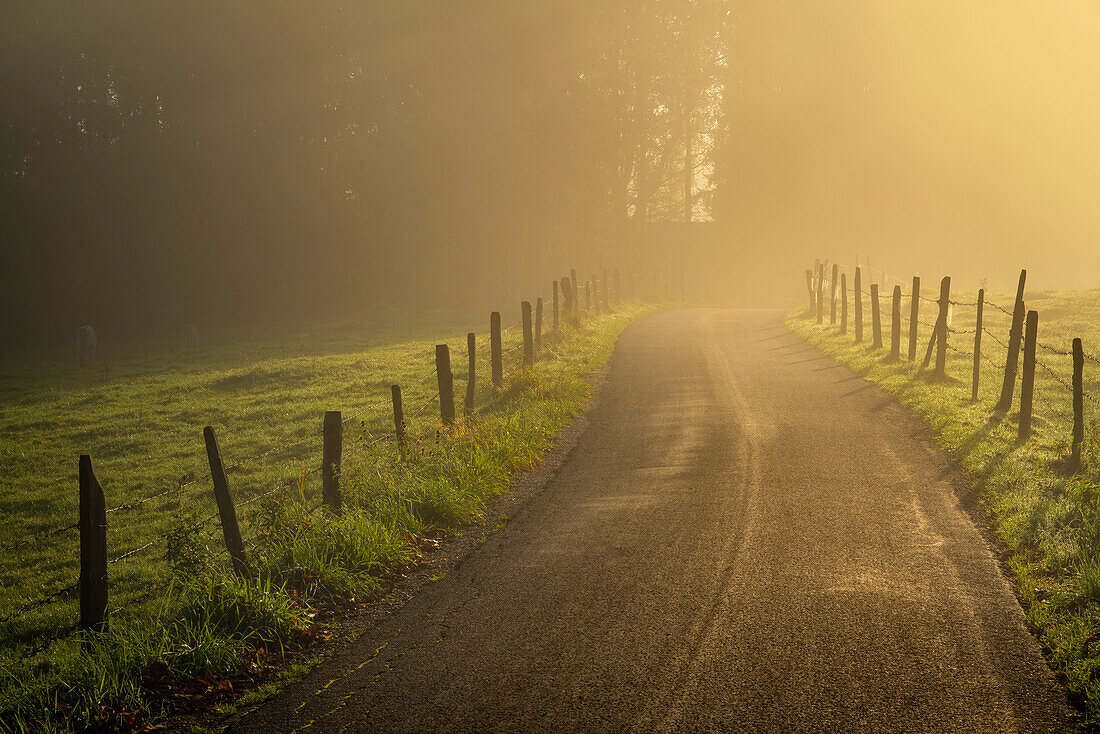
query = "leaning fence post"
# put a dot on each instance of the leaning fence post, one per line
(1027, 385)
(914, 317)
(93, 549)
(858, 289)
(445, 380)
(1015, 335)
(496, 353)
(227, 512)
(399, 421)
(1078, 404)
(820, 294)
(844, 303)
(876, 319)
(945, 305)
(978, 345)
(528, 336)
(895, 326)
(538, 326)
(555, 306)
(832, 295)
(471, 375)
(331, 459)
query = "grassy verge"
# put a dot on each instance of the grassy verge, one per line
(187, 630)
(1047, 519)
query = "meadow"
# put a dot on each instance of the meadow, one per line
(174, 603)
(1046, 516)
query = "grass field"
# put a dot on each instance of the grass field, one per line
(141, 420)
(1047, 518)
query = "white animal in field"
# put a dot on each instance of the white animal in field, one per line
(86, 340)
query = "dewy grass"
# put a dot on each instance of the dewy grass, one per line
(206, 626)
(1048, 519)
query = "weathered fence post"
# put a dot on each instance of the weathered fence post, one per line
(895, 326)
(978, 319)
(914, 317)
(227, 512)
(945, 305)
(496, 352)
(876, 319)
(399, 421)
(538, 326)
(858, 290)
(832, 295)
(445, 379)
(93, 549)
(1078, 405)
(844, 303)
(567, 294)
(471, 375)
(555, 306)
(528, 335)
(1027, 385)
(820, 294)
(810, 288)
(332, 453)
(1015, 335)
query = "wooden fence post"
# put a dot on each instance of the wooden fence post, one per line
(528, 335)
(945, 305)
(820, 294)
(496, 352)
(332, 453)
(832, 295)
(555, 305)
(810, 288)
(1015, 335)
(471, 375)
(1027, 385)
(914, 317)
(538, 326)
(567, 294)
(979, 318)
(1078, 405)
(876, 319)
(446, 383)
(93, 549)
(399, 422)
(844, 303)
(895, 326)
(858, 290)
(227, 512)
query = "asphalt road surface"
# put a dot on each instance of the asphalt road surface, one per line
(746, 537)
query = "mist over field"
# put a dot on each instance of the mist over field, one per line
(266, 163)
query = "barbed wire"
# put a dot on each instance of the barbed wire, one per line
(35, 538)
(50, 598)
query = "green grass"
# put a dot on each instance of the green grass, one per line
(1047, 518)
(142, 423)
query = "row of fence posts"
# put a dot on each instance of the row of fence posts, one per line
(92, 524)
(1023, 336)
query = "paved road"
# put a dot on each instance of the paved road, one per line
(746, 537)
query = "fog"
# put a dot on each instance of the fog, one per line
(265, 162)
(938, 137)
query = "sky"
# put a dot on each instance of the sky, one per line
(940, 137)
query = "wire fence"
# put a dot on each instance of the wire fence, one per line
(69, 592)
